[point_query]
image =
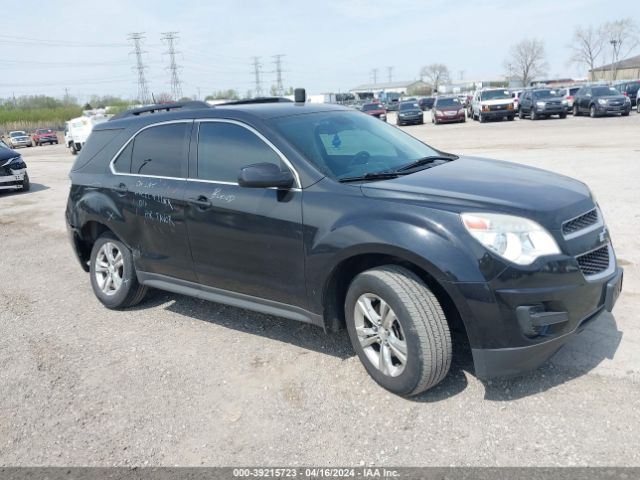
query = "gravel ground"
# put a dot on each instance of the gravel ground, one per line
(178, 381)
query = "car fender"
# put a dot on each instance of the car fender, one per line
(93, 205)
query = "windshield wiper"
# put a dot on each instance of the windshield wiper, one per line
(426, 161)
(370, 176)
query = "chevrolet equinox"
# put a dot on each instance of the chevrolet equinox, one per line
(326, 215)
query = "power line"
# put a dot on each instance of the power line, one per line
(176, 88)
(25, 41)
(257, 67)
(278, 63)
(143, 89)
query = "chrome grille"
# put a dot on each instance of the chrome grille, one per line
(580, 223)
(594, 262)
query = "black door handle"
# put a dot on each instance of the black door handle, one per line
(121, 188)
(202, 202)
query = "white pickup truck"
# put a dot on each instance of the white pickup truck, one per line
(77, 130)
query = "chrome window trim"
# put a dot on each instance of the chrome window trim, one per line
(126, 144)
(284, 159)
(583, 231)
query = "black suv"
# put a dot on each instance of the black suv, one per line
(541, 103)
(325, 215)
(600, 100)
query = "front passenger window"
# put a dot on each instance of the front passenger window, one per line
(224, 148)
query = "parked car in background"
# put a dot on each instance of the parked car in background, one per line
(44, 135)
(598, 100)
(539, 103)
(19, 138)
(409, 113)
(568, 94)
(630, 89)
(426, 103)
(448, 109)
(13, 170)
(492, 103)
(375, 110)
(638, 101)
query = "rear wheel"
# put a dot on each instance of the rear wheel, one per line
(510, 117)
(74, 151)
(563, 115)
(520, 114)
(398, 329)
(113, 274)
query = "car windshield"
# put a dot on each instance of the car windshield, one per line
(409, 106)
(349, 144)
(448, 102)
(604, 91)
(495, 95)
(17, 134)
(371, 106)
(546, 93)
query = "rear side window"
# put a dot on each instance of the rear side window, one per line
(225, 148)
(159, 151)
(96, 142)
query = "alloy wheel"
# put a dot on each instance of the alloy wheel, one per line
(380, 334)
(109, 268)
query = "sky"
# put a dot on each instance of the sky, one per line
(328, 45)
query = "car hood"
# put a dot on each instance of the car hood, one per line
(415, 111)
(608, 98)
(6, 154)
(449, 108)
(477, 183)
(497, 101)
(549, 99)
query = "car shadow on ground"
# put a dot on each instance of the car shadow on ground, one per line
(34, 187)
(582, 353)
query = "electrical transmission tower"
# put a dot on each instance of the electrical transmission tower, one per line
(143, 89)
(176, 88)
(374, 75)
(278, 64)
(257, 68)
(390, 74)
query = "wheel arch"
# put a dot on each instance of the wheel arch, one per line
(337, 284)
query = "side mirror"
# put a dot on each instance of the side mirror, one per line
(265, 175)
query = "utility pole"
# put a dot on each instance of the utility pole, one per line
(374, 75)
(278, 63)
(143, 89)
(176, 88)
(257, 67)
(614, 56)
(390, 74)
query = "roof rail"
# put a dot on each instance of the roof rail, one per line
(250, 101)
(161, 107)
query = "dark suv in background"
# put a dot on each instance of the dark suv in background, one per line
(629, 88)
(599, 100)
(541, 103)
(325, 215)
(409, 113)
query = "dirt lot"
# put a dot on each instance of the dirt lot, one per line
(179, 381)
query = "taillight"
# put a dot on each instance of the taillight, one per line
(625, 94)
(570, 97)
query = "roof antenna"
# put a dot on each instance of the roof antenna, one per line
(300, 95)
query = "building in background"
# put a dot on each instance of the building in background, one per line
(627, 69)
(403, 88)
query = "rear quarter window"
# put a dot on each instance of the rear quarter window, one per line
(97, 142)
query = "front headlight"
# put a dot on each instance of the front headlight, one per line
(541, 104)
(439, 112)
(516, 239)
(461, 111)
(602, 101)
(565, 101)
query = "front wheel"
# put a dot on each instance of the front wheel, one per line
(26, 183)
(626, 114)
(398, 329)
(534, 115)
(592, 111)
(576, 111)
(113, 274)
(563, 115)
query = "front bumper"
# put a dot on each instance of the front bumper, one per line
(610, 110)
(411, 119)
(553, 110)
(502, 113)
(515, 323)
(13, 179)
(450, 118)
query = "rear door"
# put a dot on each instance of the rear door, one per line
(244, 240)
(150, 174)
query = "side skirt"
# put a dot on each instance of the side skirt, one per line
(227, 297)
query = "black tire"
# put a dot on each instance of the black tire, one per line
(26, 183)
(576, 110)
(510, 118)
(520, 114)
(73, 149)
(56, 142)
(130, 292)
(418, 312)
(481, 119)
(638, 107)
(626, 114)
(534, 115)
(563, 115)
(592, 111)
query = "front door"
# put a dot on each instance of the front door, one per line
(245, 240)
